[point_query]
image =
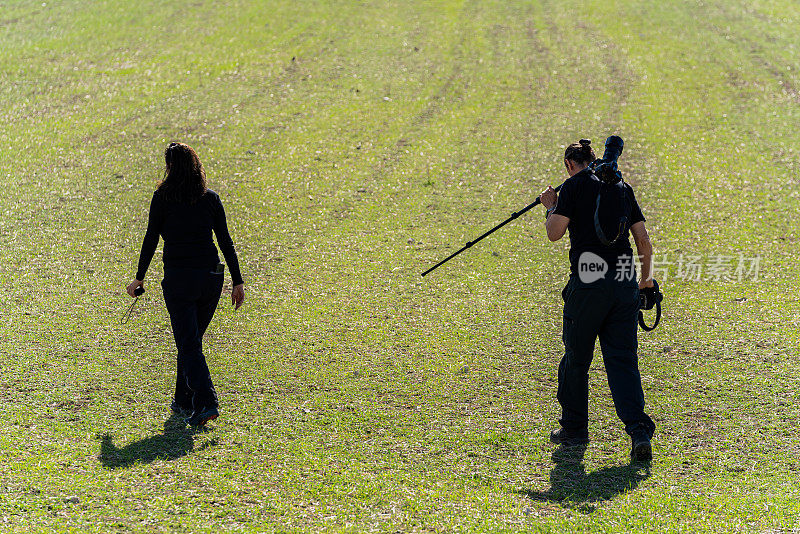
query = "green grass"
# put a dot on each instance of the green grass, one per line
(355, 144)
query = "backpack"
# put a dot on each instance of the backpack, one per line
(610, 180)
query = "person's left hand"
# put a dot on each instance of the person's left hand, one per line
(132, 287)
(237, 296)
(549, 197)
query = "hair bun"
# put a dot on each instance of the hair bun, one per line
(585, 142)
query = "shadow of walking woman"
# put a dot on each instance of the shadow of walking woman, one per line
(571, 485)
(175, 441)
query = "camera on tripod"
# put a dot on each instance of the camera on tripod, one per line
(606, 169)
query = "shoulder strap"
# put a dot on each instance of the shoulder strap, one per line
(623, 220)
(655, 324)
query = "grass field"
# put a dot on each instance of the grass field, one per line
(354, 144)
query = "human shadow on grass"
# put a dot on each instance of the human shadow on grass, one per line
(571, 485)
(175, 441)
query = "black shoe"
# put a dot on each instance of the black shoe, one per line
(177, 409)
(561, 436)
(641, 450)
(201, 417)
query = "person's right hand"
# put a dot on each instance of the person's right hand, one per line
(237, 296)
(549, 197)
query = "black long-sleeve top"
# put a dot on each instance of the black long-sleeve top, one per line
(186, 229)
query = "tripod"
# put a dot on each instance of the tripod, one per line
(490, 232)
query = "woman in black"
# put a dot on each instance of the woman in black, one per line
(184, 212)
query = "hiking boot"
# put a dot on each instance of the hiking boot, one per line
(562, 436)
(177, 409)
(641, 450)
(200, 417)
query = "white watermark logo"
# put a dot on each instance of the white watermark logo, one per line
(695, 268)
(591, 267)
(687, 267)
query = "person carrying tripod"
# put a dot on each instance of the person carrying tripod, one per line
(601, 298)
(185, 212)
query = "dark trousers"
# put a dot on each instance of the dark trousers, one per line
(608, 310)
(191, 296)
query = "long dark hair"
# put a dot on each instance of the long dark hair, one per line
(184, 176)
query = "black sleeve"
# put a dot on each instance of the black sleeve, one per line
(636, 211)
(150, 237)
(225, 242)
(566, 200)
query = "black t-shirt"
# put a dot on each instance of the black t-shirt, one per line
(577, 200)
(186, 229)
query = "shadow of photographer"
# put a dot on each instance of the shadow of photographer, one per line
(175, 441)
(570, 484)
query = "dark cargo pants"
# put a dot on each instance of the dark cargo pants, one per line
(191, 296)
(609, 310)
